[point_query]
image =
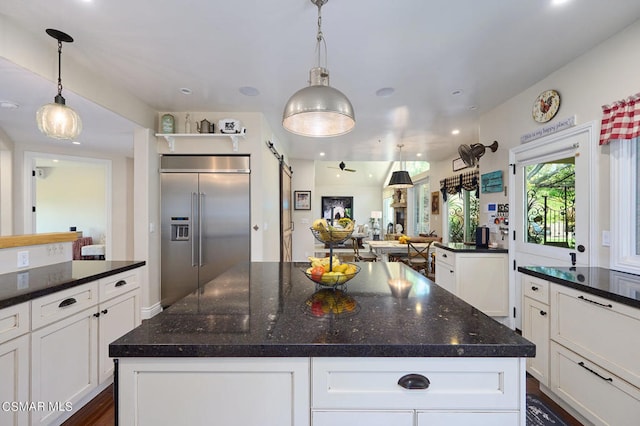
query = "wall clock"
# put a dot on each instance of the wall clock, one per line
(546, 106)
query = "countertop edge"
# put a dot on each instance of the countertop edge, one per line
(587, 289)
(69, 284)
(470, 249)
(321, 351)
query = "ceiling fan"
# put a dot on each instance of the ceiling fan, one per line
(471, 154)
(342, 167)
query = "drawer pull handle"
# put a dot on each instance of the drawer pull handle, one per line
(444, 255)
(67, 302)
(121, 283)
(543, 313)
(595, 303)
(606, 379)
(414, 381)
(534, 288)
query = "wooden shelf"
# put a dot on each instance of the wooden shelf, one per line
(171, 137)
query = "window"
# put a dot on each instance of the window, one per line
(463, 216)
(550, 190)
(421, 208)
(625, 198)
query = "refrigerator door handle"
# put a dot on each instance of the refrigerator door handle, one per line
(194, 199)
(200, 230)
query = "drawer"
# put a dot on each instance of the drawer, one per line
(48, 309)
(455, 383)
(14, 321)
(445, 256)
(535, 288)
(118, 284)
(604, 331)
(597, 394)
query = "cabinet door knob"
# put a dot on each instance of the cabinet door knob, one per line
(104, 311)
(543, 313)
(534, 288)
(414, 381)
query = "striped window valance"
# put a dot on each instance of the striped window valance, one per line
(455, 184)
(621, 120)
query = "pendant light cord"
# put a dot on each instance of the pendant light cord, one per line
(59, 68)
(320, 37)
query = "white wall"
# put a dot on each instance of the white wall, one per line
(303, 180)
(72, 196)
(603, 75)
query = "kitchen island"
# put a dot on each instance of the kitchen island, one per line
(263, 345)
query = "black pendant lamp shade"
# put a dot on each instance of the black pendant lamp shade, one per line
(400, 179)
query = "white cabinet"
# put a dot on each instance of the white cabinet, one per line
(595, 348)
(479, 278)
(14, 379)
(64, 362)
(204, 391)
(118, 313)
(347, 391)
(535, 325)
(70, 337)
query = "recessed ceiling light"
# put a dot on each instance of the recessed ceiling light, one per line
(249, 91)
(455, 132)
(9, 105)
(419, 154)
(385, 92)
(322, 154)
(186, 91)
(75, 143)
(457, 92)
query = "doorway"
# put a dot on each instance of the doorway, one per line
(553, 203)
(64, 192)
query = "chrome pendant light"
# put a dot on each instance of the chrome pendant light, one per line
(57, 120)
(400, 178)
(319, 110)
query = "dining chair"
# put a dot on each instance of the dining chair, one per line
(418, 257)
(362, 257)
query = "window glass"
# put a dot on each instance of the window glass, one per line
(550, 203)
(636, 220)
(421, 208)
(463, 216)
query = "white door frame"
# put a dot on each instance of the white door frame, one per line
(544, 147)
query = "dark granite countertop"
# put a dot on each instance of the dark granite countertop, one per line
(616, 286)
(28, 284)
(466, 248)
(260, 309)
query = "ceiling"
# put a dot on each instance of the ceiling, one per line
(448, 62)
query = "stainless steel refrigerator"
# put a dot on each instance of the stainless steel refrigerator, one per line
(205, 214)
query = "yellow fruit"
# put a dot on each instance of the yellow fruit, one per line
(340, 268)
(319, 225)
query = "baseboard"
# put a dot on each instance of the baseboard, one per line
(151, 311)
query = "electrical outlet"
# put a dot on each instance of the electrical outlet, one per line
(23, 259)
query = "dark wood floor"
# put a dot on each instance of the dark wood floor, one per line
(100, 411)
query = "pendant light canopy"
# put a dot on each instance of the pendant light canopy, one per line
(319, 110)
(57, 120)
(400, 178)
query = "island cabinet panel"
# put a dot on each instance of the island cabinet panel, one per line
(362, 418)
(206, 391)
(14, 379)
(468, 388)
(444, 418)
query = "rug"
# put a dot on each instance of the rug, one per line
(539, 413)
